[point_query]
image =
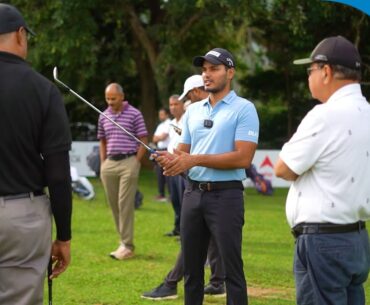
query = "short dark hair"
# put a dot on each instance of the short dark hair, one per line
(166, 110)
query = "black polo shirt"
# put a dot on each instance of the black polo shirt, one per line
(33, 124)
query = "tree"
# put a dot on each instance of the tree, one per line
(148, 47)
(145, 45)
(289, 29)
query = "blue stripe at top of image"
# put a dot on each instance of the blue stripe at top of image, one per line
(362, 5)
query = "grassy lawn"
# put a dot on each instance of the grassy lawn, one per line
(94, 278)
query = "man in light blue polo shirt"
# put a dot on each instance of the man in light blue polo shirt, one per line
(218, 142)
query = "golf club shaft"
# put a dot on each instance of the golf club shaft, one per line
(152, 151)
(50, 282)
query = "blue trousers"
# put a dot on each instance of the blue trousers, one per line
(176, 185)
(330, 269)
(161, 180)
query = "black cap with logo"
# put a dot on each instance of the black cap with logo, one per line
(334, 50)
(217, 56)
(11, 20)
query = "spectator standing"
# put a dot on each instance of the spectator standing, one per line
(328, 160)
(161, 139)
(218, 141)
(35, 139)
(176, 183)
(120, 157)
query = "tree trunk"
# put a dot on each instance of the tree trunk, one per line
(148, 95)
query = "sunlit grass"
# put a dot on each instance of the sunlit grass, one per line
(95, 279)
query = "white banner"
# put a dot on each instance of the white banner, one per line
(264, 161)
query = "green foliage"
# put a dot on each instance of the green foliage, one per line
(289, 29)
(148, 47)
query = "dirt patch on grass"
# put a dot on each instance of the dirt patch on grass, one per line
(271, 293)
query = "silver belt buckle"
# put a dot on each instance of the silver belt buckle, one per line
(204, 186)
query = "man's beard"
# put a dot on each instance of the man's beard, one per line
(216, 89)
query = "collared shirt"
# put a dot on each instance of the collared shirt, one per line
(331, 152)
(234, 119)
(163, 127)
(173, 135)
(118, 142)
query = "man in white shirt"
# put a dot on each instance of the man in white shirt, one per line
(176, 184)
(328, 160)
(161, 139)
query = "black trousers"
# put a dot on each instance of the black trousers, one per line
(217, 269)
(219, 214)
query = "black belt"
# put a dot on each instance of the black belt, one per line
(215, 186)
(121, 156)
(23, 195)
(326, 228)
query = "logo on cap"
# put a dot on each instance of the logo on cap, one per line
(231, 64)
(214, 53)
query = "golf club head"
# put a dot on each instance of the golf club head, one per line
(55, 73)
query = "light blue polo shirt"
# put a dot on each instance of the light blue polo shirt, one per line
(234, 119)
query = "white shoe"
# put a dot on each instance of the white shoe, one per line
(114, 252)
(122, 253)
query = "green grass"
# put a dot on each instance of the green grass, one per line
(94, 278)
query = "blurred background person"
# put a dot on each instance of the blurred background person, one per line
(176, 184)
(120, 157)
(161, 139)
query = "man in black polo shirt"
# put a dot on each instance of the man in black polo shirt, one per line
(35, 141)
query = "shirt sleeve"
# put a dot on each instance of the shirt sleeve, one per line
(248, 125)
(185, 133)
(139, 125)
(56, 135)
(307, 144)
(101, 131)
(58, 179)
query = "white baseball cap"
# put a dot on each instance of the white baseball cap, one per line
(194, 81)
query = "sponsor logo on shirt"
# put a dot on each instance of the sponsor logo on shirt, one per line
(252, 133)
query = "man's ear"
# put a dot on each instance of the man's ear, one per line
(20, 36)
(230, 73)
(327, 74)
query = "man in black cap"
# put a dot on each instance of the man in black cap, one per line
(35, 140)
(218, 141)
(328, 160)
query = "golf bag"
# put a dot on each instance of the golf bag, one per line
(81, 186)
(93, 161)
(139, 197)
(261, 184)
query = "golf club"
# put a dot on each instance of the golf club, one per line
(55, 74)
(50, 282)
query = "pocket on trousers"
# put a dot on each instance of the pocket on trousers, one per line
(335, 248)
(300, 264)
(304, 289)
